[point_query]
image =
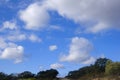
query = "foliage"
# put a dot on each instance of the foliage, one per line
(100, 64)
(28, 79)
(12, 77)
(113, 68)
(3, 76)
(50, 74)
(92, 71)
(102, 69)
(26, 74)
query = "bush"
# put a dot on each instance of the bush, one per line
(113, 68)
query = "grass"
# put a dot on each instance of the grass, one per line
(28, 79)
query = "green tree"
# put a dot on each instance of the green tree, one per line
(12, 77)
(73, 74)
(100, 65)
(93, 70)
(50, 74)
(3, 76)
(26, 74)
(113, 68)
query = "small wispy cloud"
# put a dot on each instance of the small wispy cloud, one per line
(53, 47)
(56, 66)
(34, 38)
(9, 25)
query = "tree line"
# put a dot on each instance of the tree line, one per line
(102, 67)
(27, 75)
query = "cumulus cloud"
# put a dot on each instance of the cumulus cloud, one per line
(56, 66)
(90, 60)
(52, 47)
(34, 38)
(9, 25)
(94, 15)
(12, 52)
(3, 44)
(35, 16)
(99, 15)
(79, 51)
(16, 37)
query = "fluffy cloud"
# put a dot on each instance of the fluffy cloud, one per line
(56, 66)
(34, 38)
(12, 52)
(16, 37)
(79, 51)
(35, 16)
(9, 25)
(99, 15)
(94, 15)
(3, 44)
(20, 36)
(52, 47)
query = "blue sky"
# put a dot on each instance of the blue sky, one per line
(60, 34)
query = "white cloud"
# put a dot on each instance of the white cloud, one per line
(55, 27)
(21, 36)
(94, 15)
(56, 66)
(34, 38)
(9, 25)
(79, 51)
(90, 60)
(99, 15)
(97, 28)
(16, 37)
(35, 16)
(3, 44)
(12, 52)
(52, 47)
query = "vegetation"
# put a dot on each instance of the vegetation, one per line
(26, 75)
(113, 68)
(47, 75)
(102, 69)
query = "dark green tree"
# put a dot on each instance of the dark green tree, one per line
(113, 68)
(51, 74)
(92, 71)
(26, 74)
(73, 74)
(3, 76)
(12, 77)
(100, 64)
